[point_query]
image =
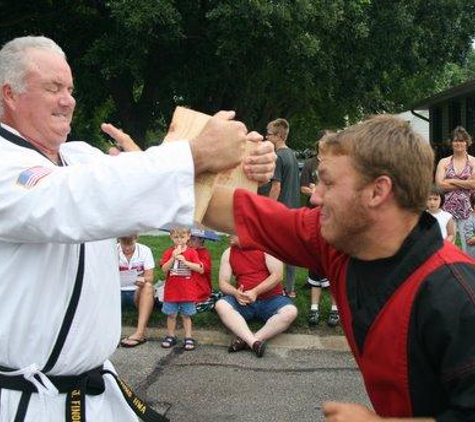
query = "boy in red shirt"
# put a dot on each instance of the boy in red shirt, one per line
(180, 264)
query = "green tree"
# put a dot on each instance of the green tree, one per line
(318, 63)
(455, 73)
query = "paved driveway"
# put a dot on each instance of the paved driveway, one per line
(209, 384)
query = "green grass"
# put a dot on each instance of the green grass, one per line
(209, 320)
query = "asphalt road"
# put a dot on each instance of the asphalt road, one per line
(209, 384)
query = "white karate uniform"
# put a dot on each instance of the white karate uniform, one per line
(41, 227)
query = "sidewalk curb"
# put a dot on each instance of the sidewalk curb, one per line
(285, 341)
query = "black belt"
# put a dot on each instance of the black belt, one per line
(91, 382)
(77, 387)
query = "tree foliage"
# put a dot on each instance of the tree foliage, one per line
(456, 73)
(318, 63)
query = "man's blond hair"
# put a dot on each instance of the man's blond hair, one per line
(387, 145)
(281, 127)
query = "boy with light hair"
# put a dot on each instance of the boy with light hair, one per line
(180, 264)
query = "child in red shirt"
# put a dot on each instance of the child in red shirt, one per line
(180, 264)
(203, 280)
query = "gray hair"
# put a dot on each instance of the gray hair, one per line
(15, 62)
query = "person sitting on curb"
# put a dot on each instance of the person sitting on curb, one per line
(258, 295)
(136, 266)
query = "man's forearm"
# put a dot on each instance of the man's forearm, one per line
(219, 214)
(227, 288)
(268, 284)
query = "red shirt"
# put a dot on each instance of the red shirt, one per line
(203, 281)
(180, 285)
(250, 268)
(293, 235)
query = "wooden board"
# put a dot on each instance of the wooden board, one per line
(187, 124)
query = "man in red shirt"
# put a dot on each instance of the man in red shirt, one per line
(406, 297)
(258, 295)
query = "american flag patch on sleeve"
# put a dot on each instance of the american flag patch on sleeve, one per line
(30, 177)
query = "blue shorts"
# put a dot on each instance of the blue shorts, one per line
(174, 308)
(127, 299)
(261, 309)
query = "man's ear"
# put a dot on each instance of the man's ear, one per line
(8, 96)
(381, 189)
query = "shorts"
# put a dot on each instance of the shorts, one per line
(261, 309)
(127, 298)
(315, 280)
(174, 308)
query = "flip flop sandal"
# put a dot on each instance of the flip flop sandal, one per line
(168, 341)
(132, 342)
(189, 344)
(237, 345)
(259, 347)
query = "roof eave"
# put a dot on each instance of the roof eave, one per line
(460, 90)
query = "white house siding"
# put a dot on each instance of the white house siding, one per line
(419, 125)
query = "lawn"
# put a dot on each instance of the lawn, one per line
(209, 320)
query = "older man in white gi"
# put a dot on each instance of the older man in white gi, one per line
(61, 203)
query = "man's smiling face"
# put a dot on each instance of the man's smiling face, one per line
(344, 218)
